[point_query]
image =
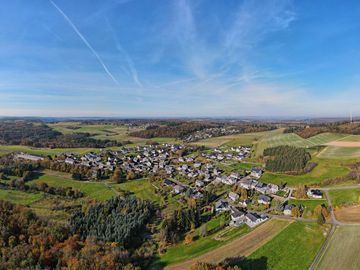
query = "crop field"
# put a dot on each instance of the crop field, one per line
(340, 152)
(293, 248)
(309, 206)
(20, 197)
(324, 170)
(241, 246)
(93, 190)
(343, 250)
(341, 197)
(349, 214)
(351, 138)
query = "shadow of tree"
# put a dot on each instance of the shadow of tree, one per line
(246, 263)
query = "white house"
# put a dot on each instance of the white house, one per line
(263, 199)
(315, 193)
(233, 196)
(287, 209)
(257, 173)
(253, 219)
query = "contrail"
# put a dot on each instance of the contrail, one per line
(85, 41)
(129, 61)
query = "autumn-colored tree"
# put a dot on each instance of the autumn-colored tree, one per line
(317, 210)
(188, 239)
(243, 194)
(295, 212)
(325, 212)
(300, 192)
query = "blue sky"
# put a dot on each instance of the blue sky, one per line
(179, 58)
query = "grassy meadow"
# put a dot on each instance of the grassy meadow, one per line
(309, 206)
(293, 248)
(342, 197)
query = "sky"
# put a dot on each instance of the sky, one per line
(179, 58)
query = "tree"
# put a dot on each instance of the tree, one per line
(295, 212)
(243, 194)
(118, 176)
(318, 210)
(203, 230)
(188, 239)
(300, 192)
(321, 219)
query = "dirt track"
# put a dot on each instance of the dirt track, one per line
(344, 144)
(242, 246)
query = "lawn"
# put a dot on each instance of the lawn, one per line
(325, 169)
(341, 197)
(141, 188)
(93, 190)
(309, 206)
(343, 250)
(294, 248)
(20, 197)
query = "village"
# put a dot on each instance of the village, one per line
(187, 172)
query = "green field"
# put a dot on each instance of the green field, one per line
(341, 197)
(309, 206)
(343, 250)
(325, 169)
(337, 152)
(20, 197)
(141, 188)
(351, 138)
(295, 140)
(5, 149)
(293, 248)
(201, 245)
(232, 140)
(107, 132)
(93, 190)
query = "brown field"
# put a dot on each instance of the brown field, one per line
(242, 246)
(349, 214)
(344, 144)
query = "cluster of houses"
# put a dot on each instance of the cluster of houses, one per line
(235, 153)
(211, 132)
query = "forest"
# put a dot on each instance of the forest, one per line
(117, 220)
(41, 135)
(28, 242)
(286, 159)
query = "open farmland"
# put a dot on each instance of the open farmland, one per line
(340, 152)
(343, 250)
(294, 248)
(242, 246)
(348, 214)
(93, 190)
(325, 169)
(20, 197)
(342, 197)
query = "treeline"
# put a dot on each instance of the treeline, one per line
(119, 220)
(41, 135)
(19, 184)
(307, 131)
(178, 129)
(286, 159)
(28, 242)
(173, 130)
